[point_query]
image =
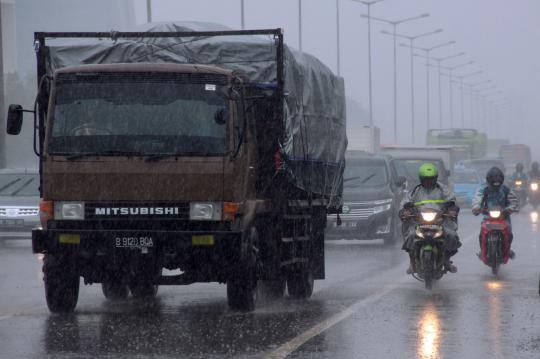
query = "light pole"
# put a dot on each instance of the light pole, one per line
(148, 11)
(411, 43)
(451, 103)
(368, 4)
(461, 77)
(242, 15)
(338, 51)
(439, 60)
(471, 100)
(300, 25)
(428, 50)
(394, 24)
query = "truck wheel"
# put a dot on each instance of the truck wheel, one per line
(242, 294)
(114, 290)
(300, 283)
(61, 283)
(143, 290)
(272, 289)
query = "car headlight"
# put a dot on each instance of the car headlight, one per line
(534, 186)
(205, 211)
(429, 216)
(69, 210)
(383, 208)
(494, 214)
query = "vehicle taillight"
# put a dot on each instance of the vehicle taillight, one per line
(230, 210)
(46, 212)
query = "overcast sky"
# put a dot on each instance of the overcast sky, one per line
(501, 36)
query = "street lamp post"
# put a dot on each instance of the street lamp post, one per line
(439, 60)
(461, 77)
(242, 15)
(394, 24)
(300, 25)
(427, 57)
(368, 4)
(411, 45)
(451, 104)
(338, 50)
(471, 100)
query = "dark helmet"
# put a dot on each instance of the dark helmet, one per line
(519, 167)
(428, 174)
(495, 177)
(534, 166)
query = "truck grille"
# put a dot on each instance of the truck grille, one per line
(128, 211)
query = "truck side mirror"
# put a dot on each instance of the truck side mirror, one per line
(14, 119)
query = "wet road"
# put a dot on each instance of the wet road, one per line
(366, 308)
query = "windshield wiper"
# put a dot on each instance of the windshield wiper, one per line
(100, 153)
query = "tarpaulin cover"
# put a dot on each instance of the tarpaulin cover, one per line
(315, 140)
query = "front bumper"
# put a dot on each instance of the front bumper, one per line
(375, 226)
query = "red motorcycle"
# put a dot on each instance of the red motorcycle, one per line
(495, 239)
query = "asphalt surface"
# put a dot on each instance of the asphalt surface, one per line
(366, 308)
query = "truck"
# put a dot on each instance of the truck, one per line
(213, 154)
(494, 146)
(363, 138)
(472, 138)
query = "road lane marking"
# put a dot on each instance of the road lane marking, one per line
(295, 343)
(5, 317)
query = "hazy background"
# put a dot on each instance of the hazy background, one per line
(502, 37)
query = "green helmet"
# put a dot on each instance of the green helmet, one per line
(428, 174)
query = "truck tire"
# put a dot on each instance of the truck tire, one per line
(61, 280)
(242, 286)
(114, 291)
(300, 283)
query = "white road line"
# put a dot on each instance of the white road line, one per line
(5, 317)
(292, 345)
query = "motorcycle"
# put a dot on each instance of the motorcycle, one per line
(428, 243)
(520, 189)
(534, 192)
(494, 239)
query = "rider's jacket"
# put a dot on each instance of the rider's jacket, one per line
(421, 195)
(502, 197)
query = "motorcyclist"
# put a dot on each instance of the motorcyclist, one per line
(519, 174)
(430, 191)
(495, 193)
(534, 173)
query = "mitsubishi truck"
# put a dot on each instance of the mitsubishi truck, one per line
(214, 154)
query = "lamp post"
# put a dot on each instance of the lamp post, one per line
(368, 4)
(411, 43)
(451, 103)
(148, 11)
(461, 77)
(394, 24)
(427, 51)
(338, 50)
(242, 15)
(471, 100)
(300, 25)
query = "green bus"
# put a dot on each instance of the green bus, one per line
(475, 141)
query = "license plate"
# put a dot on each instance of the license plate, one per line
(207, 240)
(65, 238)
(134, 242)
(11, 222)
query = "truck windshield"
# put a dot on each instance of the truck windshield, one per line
(139, 113)
(364, 174)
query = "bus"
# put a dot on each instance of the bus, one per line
(473, 139)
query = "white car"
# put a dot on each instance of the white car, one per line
(19, 203)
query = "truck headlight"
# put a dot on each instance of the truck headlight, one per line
(69, 210)
(205, 211)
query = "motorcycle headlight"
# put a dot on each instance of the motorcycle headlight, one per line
(534, 186)
(429, 216)
(495, 214)
(69, 210)
(438, 234)
(419, 233)
(205, 211)
(519, 183)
